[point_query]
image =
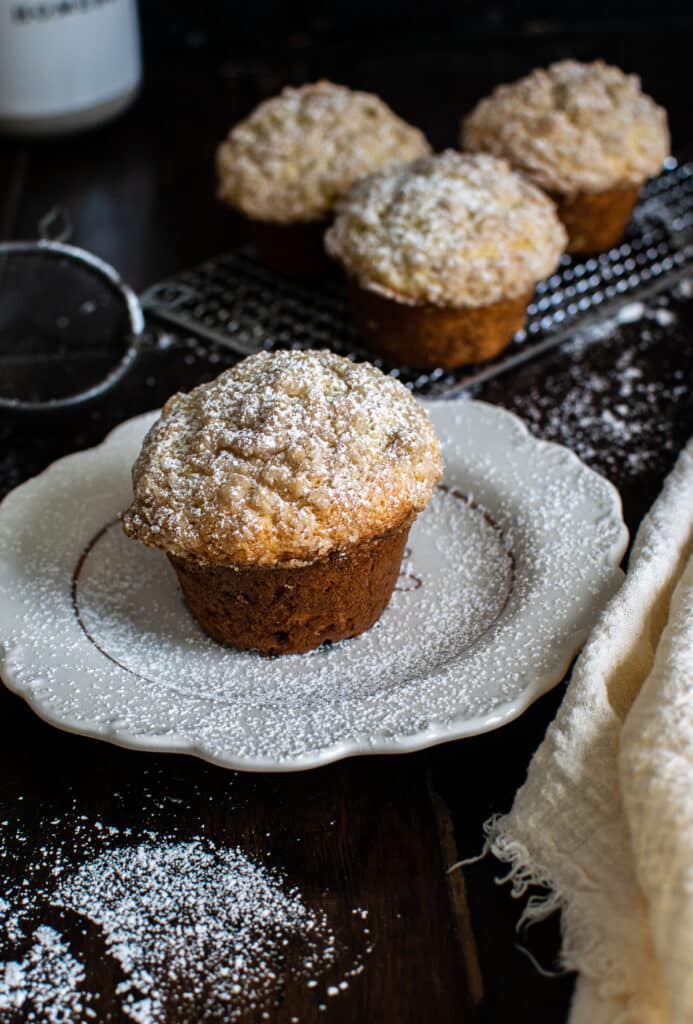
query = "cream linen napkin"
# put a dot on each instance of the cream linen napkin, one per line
(605, 818)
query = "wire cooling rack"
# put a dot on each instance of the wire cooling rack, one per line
(235, 301)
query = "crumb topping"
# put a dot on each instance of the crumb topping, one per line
(298, 153)
(573, 128)
(284, 458)
(453, 229)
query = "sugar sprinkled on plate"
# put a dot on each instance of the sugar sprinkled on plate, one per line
(508, 566)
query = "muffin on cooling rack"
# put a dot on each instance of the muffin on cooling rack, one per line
(288, 163)
(442, 256)
(283, 493)
(586, 134)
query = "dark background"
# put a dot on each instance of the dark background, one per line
(232, 25)
(480, 44)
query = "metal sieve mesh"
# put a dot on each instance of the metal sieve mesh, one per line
(234, 301)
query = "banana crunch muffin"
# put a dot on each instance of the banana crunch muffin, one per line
(287, 164)
(283, 493)
(585, 133)
(443, 254)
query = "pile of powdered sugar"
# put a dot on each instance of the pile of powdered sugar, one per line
(192, 924)
(194, 930)
(45, 986)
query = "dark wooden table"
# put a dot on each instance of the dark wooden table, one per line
(378, 832)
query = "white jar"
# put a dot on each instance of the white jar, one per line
(66, 64)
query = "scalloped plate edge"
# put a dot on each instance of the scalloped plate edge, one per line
(435, 734)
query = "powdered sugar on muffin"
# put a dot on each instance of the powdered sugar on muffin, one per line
(298, 153)
(282, 459)
(451, 229)
(573, 127)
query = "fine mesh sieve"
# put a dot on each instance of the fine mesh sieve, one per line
(69, 327)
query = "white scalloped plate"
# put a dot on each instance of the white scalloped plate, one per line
(506, 572)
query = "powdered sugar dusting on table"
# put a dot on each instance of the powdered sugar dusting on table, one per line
(191, 926)
(613, 415)
(45, 986)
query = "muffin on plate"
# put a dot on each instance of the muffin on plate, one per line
(288, 163)
(283, 493)
(442, 256)
(586, 134)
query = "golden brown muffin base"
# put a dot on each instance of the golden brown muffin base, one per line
(293, 250)
(426, 336)
(290, 611)
(596, 221)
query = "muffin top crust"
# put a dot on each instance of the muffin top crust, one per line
(573, 128)
(287, 457)
(453, 230)
(296, 154)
